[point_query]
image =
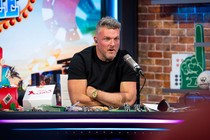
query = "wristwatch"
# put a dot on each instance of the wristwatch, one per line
(95, 94)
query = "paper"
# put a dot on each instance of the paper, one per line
(151, 106)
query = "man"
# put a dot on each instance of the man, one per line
(98, 75)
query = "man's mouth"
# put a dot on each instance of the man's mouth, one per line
(111, 50)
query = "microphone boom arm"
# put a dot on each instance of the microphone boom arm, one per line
(138, 72)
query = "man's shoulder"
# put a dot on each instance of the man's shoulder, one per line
(85, 52)
(122, 53)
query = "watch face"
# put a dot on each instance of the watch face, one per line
(95, 93)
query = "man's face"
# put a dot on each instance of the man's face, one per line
(107, 43)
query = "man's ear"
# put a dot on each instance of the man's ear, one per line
(95, 40)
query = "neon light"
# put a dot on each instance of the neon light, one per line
(115, 9)
(112, 8)
(91, 121)
(92, 129)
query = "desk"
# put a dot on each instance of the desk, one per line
(78, 125)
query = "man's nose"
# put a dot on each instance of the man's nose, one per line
(112, 42)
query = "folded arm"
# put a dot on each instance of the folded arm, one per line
(77, 93)
(127, 95)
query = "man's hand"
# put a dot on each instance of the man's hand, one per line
(127, 95)
(78, 92)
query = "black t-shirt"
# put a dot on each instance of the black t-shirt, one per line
(105, 76)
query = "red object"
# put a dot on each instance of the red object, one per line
(32, 1)
(18, 19)
(30, 8)
(1, 54)
(25, 14)
(8, 96)
(12, 22)
(5, 26)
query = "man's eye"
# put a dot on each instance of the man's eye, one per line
(116, 39)
(106, 39)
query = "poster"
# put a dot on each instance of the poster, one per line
(44, 32)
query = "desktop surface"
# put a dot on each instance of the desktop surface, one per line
(83, 125)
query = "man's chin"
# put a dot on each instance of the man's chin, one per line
(110, 58)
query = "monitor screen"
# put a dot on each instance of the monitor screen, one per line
(45, 32)
(46, 78)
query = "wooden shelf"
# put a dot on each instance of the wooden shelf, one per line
(178, 1)
(202, 44)
(200, 91)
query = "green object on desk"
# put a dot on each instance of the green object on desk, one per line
(121, 110)
(143, 109)
(12, 106)
(49, 108)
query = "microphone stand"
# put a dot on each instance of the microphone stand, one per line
(137, 106)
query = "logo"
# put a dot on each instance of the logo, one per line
(39, 92)
(9, 9)
(7, 98)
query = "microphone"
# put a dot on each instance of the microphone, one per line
(129, 60)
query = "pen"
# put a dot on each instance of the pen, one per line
(75, 104)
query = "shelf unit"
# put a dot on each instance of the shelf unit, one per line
(200, 91)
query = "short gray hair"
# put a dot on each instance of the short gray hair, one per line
(109, 23)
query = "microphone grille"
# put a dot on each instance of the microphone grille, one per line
(126, 57)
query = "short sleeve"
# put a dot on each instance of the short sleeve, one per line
(76, 68)
(128, 73)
